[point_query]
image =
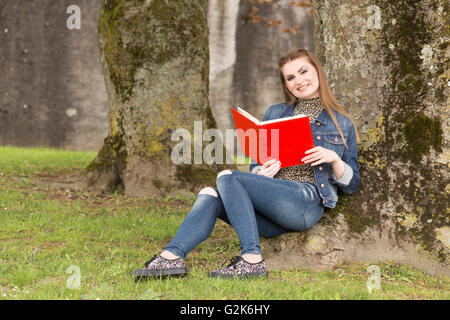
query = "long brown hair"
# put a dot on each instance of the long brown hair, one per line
(327, 97)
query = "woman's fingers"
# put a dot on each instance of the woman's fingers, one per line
(269, 163)
(320, 155)
(270, 172)
(270, 168)
(317, 162)
(274, 166)
(274, 172)
(312, 159)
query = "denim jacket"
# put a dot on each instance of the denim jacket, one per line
(325, 134)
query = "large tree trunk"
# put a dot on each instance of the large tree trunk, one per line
(387, 65)
(155, 62)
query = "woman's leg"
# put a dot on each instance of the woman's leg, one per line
(196, 227)
(200, 221)
(288, 204)
(198, 224)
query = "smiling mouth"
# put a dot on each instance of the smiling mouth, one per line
(302, 88)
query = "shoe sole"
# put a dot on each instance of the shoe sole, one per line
(158, 274)
(239, 276)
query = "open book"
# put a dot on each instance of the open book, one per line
(284, 139)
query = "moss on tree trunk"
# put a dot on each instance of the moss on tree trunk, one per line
(155, 62)
(387, 63)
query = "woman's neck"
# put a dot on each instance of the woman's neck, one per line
(308, 99)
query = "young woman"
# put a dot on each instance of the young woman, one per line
(270, 201)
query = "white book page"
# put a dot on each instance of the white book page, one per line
(252, 118)
(248, 115)
(284, 119)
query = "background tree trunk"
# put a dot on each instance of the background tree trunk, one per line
(155, 63)
(387, 65)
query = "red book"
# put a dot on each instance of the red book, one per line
(284, 139)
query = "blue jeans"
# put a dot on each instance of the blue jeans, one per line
(254, 205)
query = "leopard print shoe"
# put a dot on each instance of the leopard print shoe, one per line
(160, 267)
(239, 268)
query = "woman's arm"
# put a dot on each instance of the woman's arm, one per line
(347, 168)
(338, 168)
(349, 181)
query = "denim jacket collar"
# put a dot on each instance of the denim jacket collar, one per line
(322, 117)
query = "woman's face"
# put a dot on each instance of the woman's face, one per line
(301, 78)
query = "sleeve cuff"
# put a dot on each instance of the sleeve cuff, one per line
(346, 177)
(255, 169)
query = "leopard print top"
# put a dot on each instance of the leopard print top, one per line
(303, 172)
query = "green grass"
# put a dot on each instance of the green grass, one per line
(31, 161)
(242, 160)
(48, 224)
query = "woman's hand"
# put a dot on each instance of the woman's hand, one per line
(319, 155)
(270, 168)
